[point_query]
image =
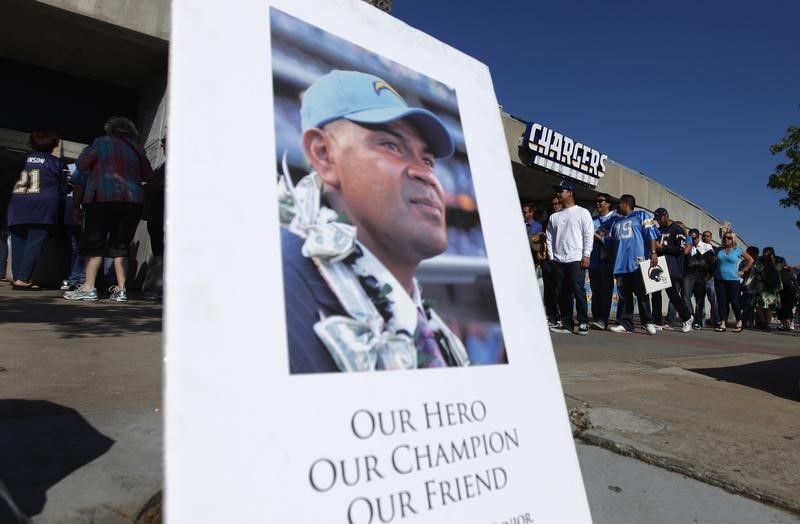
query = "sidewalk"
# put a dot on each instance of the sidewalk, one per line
(722, 408)
(80, 407)
(81, 424)
(622, 490)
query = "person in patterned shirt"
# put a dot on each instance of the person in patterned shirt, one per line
(111, 199)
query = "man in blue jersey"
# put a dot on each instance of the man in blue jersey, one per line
(635, 236)
(601, 268)
(673, 247)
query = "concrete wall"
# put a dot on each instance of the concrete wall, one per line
(619, 180)
(150, 17)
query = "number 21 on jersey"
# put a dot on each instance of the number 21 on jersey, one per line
(28, 182)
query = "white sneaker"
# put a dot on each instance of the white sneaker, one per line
(687, 326)
(82, 293)
(118, 294)
(618, 329)
(651, 329)
(598, 325)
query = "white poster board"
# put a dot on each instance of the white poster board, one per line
(251, 434)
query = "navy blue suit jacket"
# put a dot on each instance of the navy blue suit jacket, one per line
(306, 295)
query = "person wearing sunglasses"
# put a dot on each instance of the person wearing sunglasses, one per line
(601, 269)
(634, 234)
(727, 280)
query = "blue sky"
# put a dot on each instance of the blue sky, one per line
(692, 94)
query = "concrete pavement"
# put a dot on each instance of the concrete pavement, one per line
(722, 408)
(622, 490)
(80, 407)
(81, 417)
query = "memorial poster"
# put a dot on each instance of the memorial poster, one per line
(353, 328)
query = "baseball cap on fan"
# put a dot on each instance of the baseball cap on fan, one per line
(367, 99)
(564, 185)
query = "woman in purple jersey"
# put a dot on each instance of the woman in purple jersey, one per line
(33, 206)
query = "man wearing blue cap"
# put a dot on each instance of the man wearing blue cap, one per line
(357, 227)
(570, 236)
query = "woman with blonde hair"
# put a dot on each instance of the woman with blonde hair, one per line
(727, 279)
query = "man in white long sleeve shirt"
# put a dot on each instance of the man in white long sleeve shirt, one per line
(570, 236)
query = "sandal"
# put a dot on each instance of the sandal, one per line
(721, 329)
(17, 287)
(738, 328)
(21, 285)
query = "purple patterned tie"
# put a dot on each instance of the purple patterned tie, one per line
(428, 353)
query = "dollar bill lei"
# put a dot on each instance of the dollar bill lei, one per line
(379, 295)
(368, 339)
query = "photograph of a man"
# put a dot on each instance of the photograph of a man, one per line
(356, 228)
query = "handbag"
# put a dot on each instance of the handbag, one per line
(655, 278)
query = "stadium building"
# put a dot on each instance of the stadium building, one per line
(70, 64)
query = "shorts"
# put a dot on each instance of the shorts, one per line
(109, 228)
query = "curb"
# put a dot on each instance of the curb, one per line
(581, 430)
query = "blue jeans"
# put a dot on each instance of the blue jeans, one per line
(572, 284)
(549, 280)
(703, 290)
(675, 300)
(630, 284)
(601, 280)
(77, 271)
(688, 291)
(728, 293)
(27, 242)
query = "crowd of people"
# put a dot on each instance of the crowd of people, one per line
(620, 246)
(97, 208)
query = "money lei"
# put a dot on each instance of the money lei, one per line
(365, 340)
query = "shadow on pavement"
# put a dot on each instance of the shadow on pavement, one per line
(780, 377)
(40, 444)
(81, 319)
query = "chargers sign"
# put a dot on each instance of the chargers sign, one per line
(551, 150)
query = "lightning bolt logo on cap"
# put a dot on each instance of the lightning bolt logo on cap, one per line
(381, 85)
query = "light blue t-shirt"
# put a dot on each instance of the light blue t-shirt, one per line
(728, 264)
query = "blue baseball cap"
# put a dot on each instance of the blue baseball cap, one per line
(564, 185)
(367, 99)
